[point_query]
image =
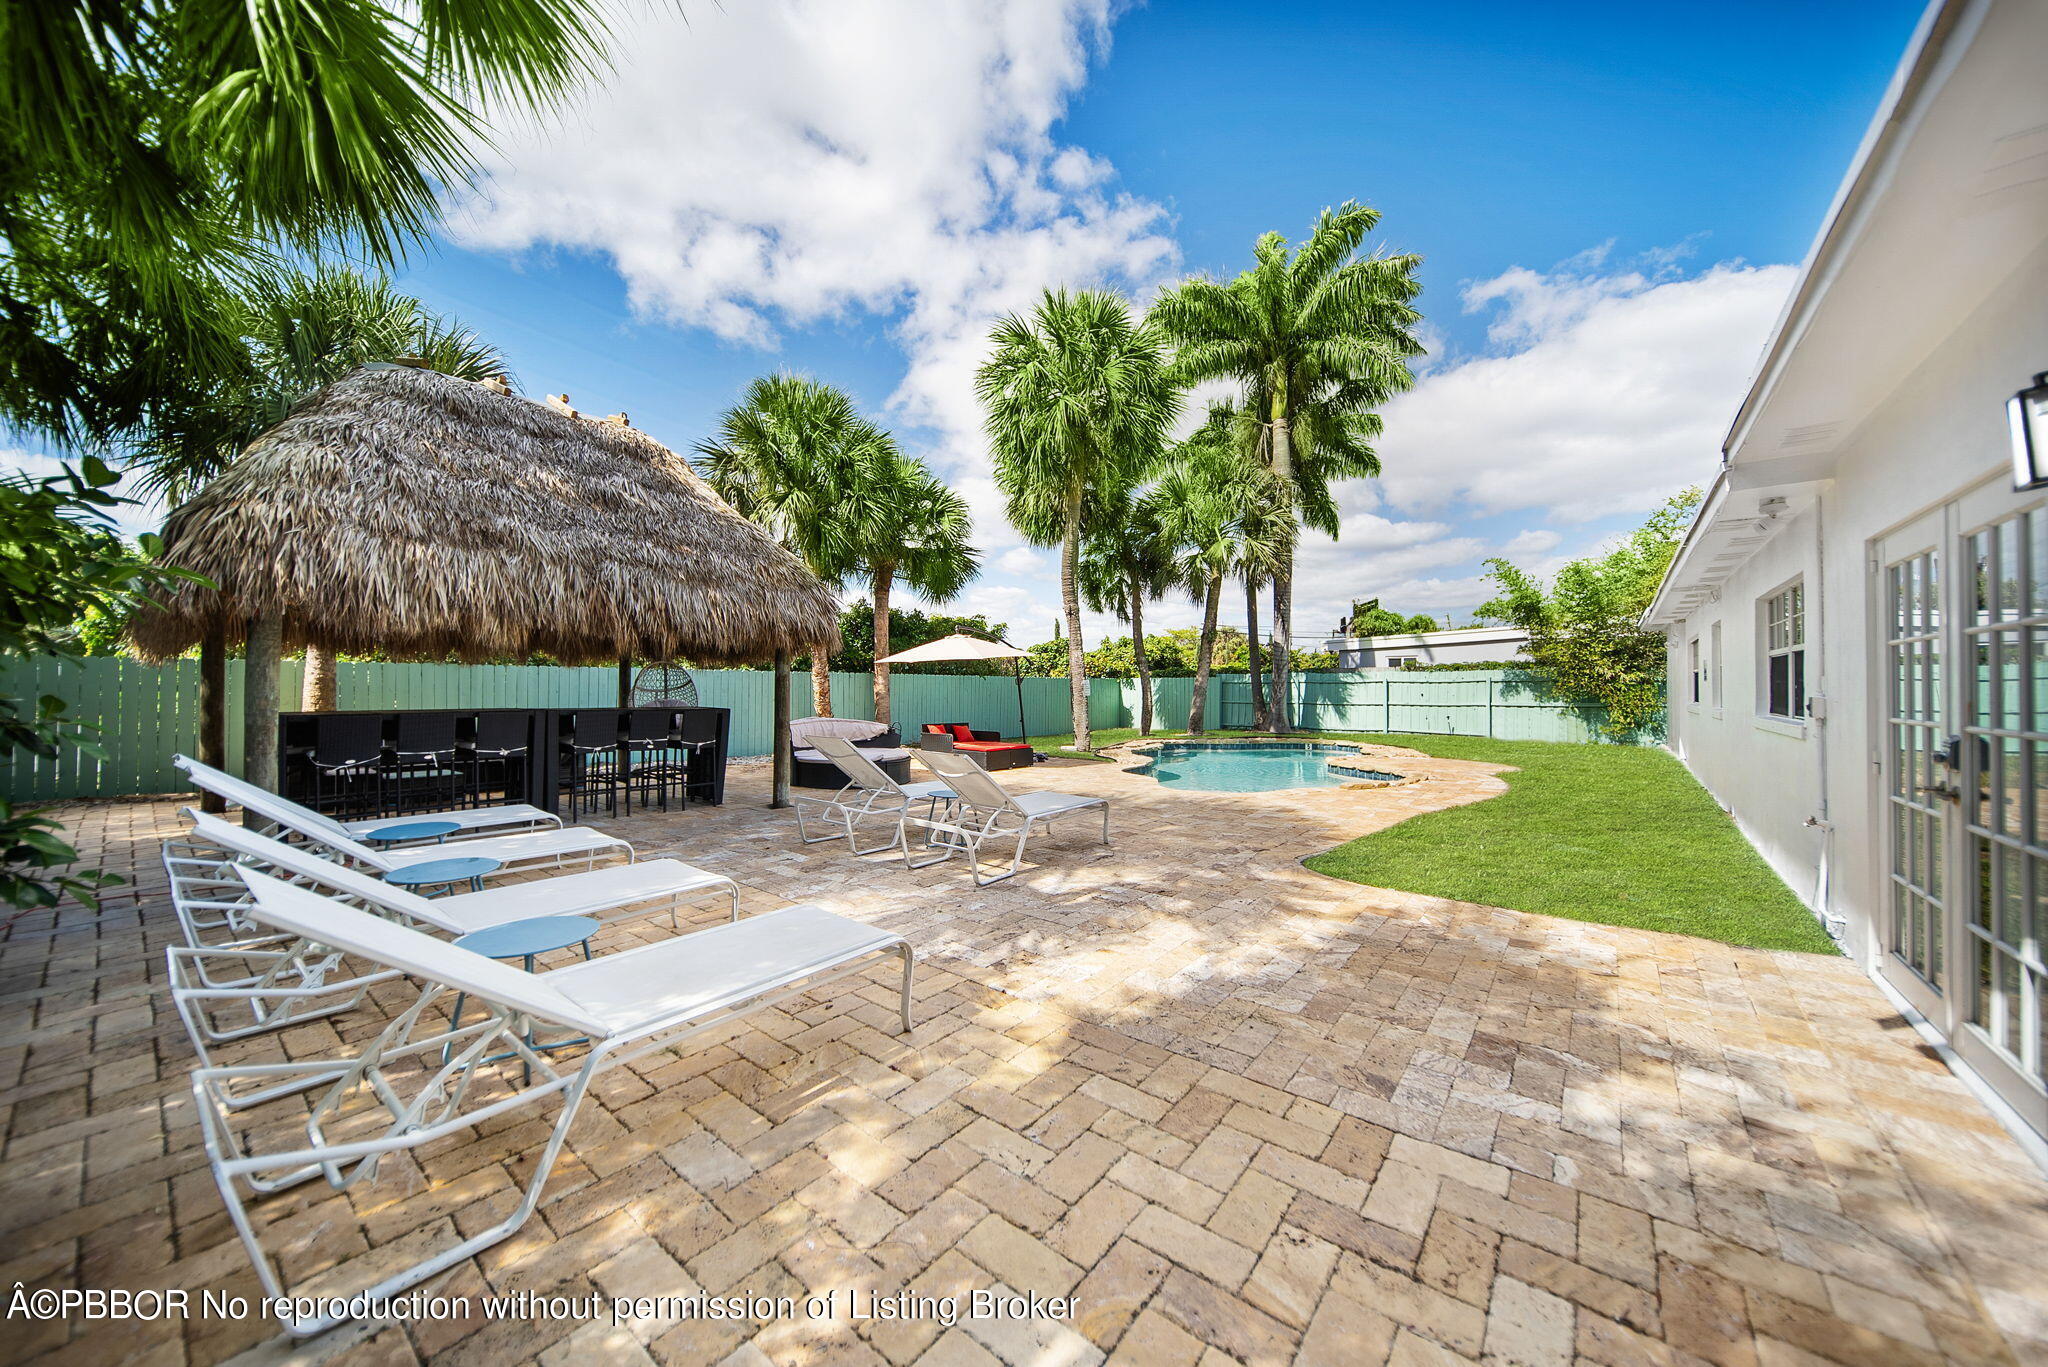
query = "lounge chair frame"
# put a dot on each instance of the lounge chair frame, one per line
(475, 822)
(252, 983)
(869, 792)
(449, 1097)
(308, 825)
(986, 811)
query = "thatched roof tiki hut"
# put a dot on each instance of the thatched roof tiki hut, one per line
(425, 516)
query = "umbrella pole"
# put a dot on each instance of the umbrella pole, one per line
(1023, 733)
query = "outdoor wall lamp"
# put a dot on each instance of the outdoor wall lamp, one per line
(2027, 411)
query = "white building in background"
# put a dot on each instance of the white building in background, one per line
(1858, 620)
(1462, 646)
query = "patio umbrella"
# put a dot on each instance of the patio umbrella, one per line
(958, 647)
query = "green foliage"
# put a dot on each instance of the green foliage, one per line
(299, 331)
(1585, 629)
(1370, 619)
(1519, 666)
(1168, 655)
(1078, 404)
(796, 456)
(1318, 337)
(1618, 835)
(156, 159)
(59, 561)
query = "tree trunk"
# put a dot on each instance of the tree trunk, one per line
(1137, 593)
(259, 702)
(1205, 650)
(316, 693)
(213, 711)
(821, 682)
(884, 580)
(779, 791)
(1255, 671)
(1070, 601)
(1279, 721)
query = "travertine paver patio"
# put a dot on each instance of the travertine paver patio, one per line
(1241, 1112)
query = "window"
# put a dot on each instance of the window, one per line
(1714, 641)
(1785, 652)
(1403, 661)
(1692, 655)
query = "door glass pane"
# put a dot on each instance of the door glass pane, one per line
(2005, 754)
(1918, 824)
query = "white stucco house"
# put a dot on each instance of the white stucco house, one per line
(1460, 646)
(1858, 619)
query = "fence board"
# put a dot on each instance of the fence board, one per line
(147, 714)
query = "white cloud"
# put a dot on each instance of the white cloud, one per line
(1612, 390)
(1533, 541)
(1022, 560)
(770, 165)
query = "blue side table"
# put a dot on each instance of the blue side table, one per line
(445, 873)
(523, 940)
(437, 831)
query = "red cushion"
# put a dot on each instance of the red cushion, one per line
(961, 732)
(990, 745)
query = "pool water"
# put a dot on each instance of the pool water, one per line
(1226, 768)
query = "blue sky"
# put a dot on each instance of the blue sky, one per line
(1609, 200)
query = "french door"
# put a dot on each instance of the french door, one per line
(1963, 597)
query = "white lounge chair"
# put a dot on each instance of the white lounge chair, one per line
(420, 1081)
(512, 852)
(250, 984)
(510, 817)
(869, 792)
(984, 810)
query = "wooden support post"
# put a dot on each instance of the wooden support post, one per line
(259, 701)
(213, 711)
(625, 681)
(779, 741)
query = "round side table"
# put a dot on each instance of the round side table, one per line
(437, 831)
(445, 873)
(523, 940)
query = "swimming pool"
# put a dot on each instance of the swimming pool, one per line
(1222, 767)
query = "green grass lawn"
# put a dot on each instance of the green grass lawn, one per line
(1617, 834)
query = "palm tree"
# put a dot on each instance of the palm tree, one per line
(1078, 400)
(1218, 513)
(796, 456)
(1318, 337)
(154, 157)
(155, 153)
(302, 331)
(1125, 562)
(919, 530)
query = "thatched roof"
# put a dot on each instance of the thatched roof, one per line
(407, 511)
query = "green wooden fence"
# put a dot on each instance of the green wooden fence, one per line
(146, 714)
(1504, 704)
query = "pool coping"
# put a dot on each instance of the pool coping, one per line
(1129, 756)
